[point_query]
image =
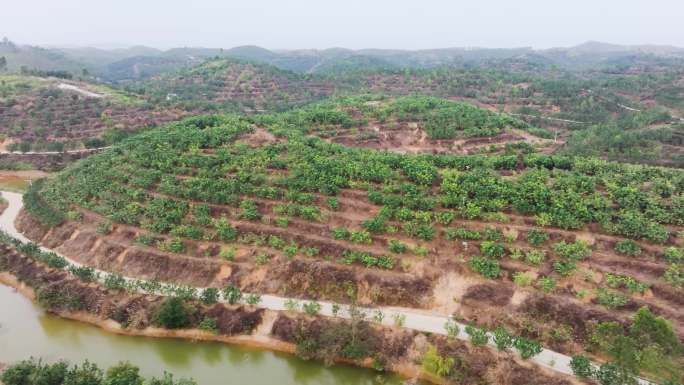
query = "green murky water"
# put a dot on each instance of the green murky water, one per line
(26, 331)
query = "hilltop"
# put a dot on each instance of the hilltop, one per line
(235, 85)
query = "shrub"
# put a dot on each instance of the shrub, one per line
(202, 214)
(385, 262)
(628, 247)
(420, 251)
(462, 233)
(333, 203)
(581, 366)
(185, 293)
(33, 372)
(610, 299)
(612, 374)
(282, 221)
(502, 338)
(674, 275)
(228, 253)
(123, 374)
(451, 328)
(261, 258)
(422, 231)
(378, 316)
(84, 273)
(311, 308)
(276, 242)
(86, 374)
(208, 324)
(368, 260)
(493, 234)
(187, 231)
(232, 294)
(419, 171)
(172, 314)
(650, 329)
(375, 225)
(574, 251)
(564, 268)
(250, 210)
(104, 228)
(674, 255)
(471, 211)
(115, 282)
(492, 249)
(74, 216)
(516, 254)
(30, 372)
(292, 305)
(396, 246)
(537, 237)
(546, 284)
(310, 213)
(562, 333)
(253, 299)
(486, 267)
(435, 364)
(527, 348)
(53, 260)
(173, 245)
(290, 250)
(543, 219)
(445, 217)
(535, 257)
(522, 279)
(616, 281)
(310, 251)
(145, 239)
(478, 336)
(340, 233)
(209, 296)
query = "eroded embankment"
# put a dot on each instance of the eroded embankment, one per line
(310, 278)
(323, 338)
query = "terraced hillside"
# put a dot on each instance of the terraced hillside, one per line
(234, 85)
(589, 98)
(52, 114)
(414, 124)
(582, 255)
(628, 114)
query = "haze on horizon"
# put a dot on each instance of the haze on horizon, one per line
(351, 23)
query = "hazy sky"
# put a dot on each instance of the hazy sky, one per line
(349, 23)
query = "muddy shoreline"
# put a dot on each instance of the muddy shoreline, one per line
(253, 341)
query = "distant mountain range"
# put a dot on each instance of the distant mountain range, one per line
(141, 62)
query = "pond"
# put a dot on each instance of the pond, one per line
(19, 180)
(26, 330)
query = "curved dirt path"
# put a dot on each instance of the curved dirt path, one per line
(423, 321)
(86, 93)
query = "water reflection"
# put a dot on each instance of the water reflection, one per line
(27, 331)
(212, 354)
